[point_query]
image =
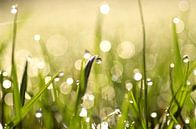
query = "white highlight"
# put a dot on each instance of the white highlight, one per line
(7, 84)
(105, 8)
(105, 46)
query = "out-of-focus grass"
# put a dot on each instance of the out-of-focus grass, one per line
(118, 91)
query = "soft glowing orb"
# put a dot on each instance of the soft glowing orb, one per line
(104, 8)
(69, 81)
(105, 46)
(126, 50)
(36, 37)
(153, 114)
(137, 76)
(9, 99)
(7, 84)
(77, 64)
(184, 5)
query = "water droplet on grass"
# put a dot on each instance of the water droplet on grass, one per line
(149, 82)
(5, 74)
(131, 101)
(47, 80)
(61, 74)
(98, 60)
(153, 114)
(87, 54)
(83, 112)
(117, 112)
(172, 65)
(185, 58)
(187, 121)
(129, 86)
(38, 114)
(178, 126)
(137, 76)
(14, 9)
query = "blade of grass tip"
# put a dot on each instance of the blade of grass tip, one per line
(136, 109)
(26, 108)
(98, 33)
(178, 72)
(47, 55)
(16, 94)
(125, 111)
(144, 63)
(23, 86)
(84, 75)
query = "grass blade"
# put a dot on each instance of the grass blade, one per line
(30, 104)
(144, 63)
(16, 94)
(23, 86)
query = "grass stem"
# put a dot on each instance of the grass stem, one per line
(144, 62)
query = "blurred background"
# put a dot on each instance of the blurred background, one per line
(68, 28)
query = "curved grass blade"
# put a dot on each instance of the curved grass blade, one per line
(23, 86)
(84, 76)
(26, 108)
(14, 78)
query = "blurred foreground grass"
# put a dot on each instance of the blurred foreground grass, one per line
(60, 85)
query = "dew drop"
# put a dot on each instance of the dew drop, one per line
(137, 76)
(129, 86)
(177, 126)
(117, 112)
(83, 112)
(149, 82)
(61, 74)
(87, 54)
(172, 65)
(153, 114)
(7, 84)
(57, 79)
(38, 114)
(77, 82)
(5, 74)
(131, 101)
(98, 60)
(185, 58)
(187, 121)
(14, 9)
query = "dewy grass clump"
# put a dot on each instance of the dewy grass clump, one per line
(100, 92)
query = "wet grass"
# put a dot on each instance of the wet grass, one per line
(133, 106)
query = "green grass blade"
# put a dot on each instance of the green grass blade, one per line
(178, 72)
(144, 62)
(26, 108)
(23, 86)
(16, 94)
